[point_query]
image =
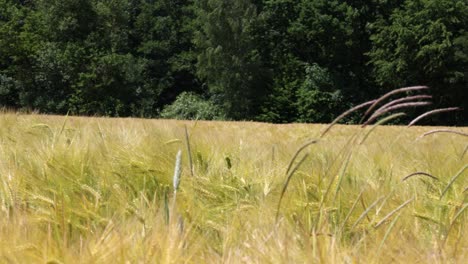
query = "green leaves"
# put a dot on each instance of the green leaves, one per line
(229, 60)
(192, 106)
(422, 43)
(318, 101)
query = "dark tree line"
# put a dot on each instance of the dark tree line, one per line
(267, 60)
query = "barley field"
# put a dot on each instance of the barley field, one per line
(101, 190)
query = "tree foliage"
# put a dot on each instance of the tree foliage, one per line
(425, 41)
(229, 60)
(269, 60)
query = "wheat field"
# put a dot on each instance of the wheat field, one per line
(101, 190)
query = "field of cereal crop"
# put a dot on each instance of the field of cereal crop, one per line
(99, 190)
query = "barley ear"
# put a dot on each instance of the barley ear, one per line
(177, 171)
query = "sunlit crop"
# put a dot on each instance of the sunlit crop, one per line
(97, 190)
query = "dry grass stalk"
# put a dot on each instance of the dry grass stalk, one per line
(452, 223)
(364, 214)
(454, 178)
(442, 131)
(388, 232)
(286, 183)
(403, 100)
(419, 173)
(332, 181)
(394, 107)
(298, 151)
(432, 112)
(343, 115)
(187, 141)
(351, 210)
(393, 92)
(464, 152)
(381, 122)
(393, 212)
(340, 177)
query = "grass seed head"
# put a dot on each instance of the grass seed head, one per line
(177, 171)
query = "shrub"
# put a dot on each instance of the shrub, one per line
(317, 99)
(189, 105)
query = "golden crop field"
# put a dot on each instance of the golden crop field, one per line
(101, 190)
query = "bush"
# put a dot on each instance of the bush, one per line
(189, 105)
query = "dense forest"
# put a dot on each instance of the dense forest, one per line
(266, 60)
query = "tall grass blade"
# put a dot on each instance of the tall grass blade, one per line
(325, 196)
(379, 123)
(364, 214)
(387, 233)
(166, 205)
(351, 210)
(172, 141)
(189, 152)
(454, 178)
(298, 152)
(62, 128)
(419, 173)
(340, 177)
(286, 184)
(343, 115)
(393, 212)
(452, 223)
(464, 152)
